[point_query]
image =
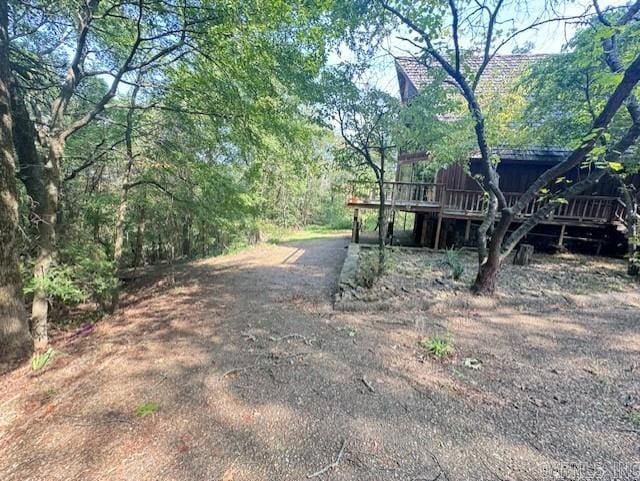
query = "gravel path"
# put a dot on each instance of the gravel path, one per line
(253, 376)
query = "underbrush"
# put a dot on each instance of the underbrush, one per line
(84, 273)
(368, 266)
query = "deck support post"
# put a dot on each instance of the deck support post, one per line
(355, 228)
(467, 230)
(438, 229)
(423, 235)
(561, 238)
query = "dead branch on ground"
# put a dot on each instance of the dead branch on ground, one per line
(332, 465)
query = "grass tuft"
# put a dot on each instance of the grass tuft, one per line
(439, 347)
(147, 408)
(452, 259)
(39, 361)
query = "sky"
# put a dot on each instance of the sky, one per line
(549, 38)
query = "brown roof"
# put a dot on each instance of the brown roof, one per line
(499, 76)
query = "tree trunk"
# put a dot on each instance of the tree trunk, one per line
(186, 237)
(381, 228)
(124, 194)
(34, 175)
(46, 242)
(633, 267)
(137, 255)
(121, 214)
(15, 342)
(487, 278)
(42, 189)
(29, 160)
(119, 241)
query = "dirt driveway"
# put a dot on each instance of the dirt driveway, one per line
(245, 372)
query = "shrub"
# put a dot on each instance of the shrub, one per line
(368, 267)
(452, 259)
(58, 284)
(84, 272)
(367, 271)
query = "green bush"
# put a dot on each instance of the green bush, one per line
(84, 272)
(58, 284)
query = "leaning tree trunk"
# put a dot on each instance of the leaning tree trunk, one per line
(15, 342)
(487, 277)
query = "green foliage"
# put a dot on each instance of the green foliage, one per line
(565, 91)
(40, 360)
(221, 144)
(436, 121)
(84, 272)
(452, 259)
(94, 271)
(58, 284)
(438, 346)
(147, 408)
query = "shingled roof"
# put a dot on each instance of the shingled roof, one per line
(499, 76)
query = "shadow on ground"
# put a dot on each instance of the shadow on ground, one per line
(257, 378)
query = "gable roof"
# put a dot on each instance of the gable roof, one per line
(498, 77)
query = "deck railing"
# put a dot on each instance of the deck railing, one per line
(599, 209)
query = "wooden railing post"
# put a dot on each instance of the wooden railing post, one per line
(355, 228)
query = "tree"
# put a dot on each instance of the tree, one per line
(366, 119)
(15, 342)
(439, 31)
(148, 33)
(565, 91)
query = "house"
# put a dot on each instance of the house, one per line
(449, 208)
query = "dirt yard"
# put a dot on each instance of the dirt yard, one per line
(238, 368)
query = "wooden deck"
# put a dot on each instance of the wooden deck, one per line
(470, 205)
